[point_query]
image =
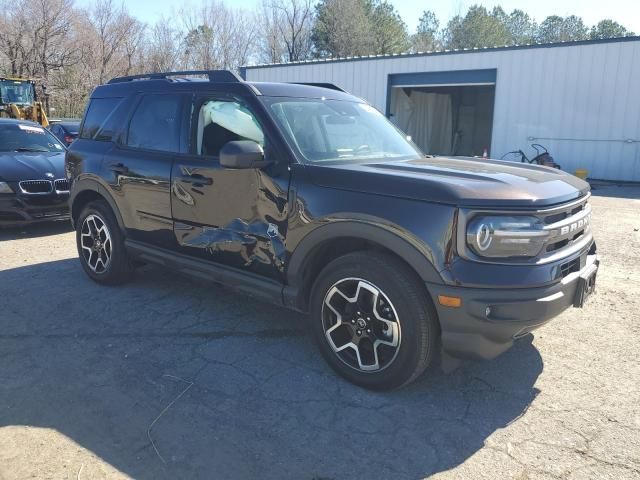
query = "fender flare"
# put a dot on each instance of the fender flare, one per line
(406, 246)
(90, 184)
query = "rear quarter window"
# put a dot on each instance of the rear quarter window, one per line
(155, 125)
(100, 120)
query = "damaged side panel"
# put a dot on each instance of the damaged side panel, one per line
(255, 242)
(240, 219)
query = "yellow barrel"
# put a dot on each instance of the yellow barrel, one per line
(582, 173)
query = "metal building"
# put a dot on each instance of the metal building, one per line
(579, 99)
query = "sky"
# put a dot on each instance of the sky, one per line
(626, 12)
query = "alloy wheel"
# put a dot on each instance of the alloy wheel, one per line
(95, 241)
(361, 325)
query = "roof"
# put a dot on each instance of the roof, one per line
(271, 89)
(442, 52)
(217, 76)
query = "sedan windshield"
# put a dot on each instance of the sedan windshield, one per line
(336, 130)
(17, 137)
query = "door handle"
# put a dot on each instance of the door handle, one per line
(196, 180)
(119, 168)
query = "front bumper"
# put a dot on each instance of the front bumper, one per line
(17, 210)
(490, 319)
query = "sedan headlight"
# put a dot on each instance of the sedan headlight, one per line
(5, 188)
(503, 237)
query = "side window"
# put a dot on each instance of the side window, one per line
(221, 121)
(99, 120)
(155, 125)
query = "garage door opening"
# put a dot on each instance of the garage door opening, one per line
(445, 120)
(444, 112)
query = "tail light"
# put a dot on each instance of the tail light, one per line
(68, 139)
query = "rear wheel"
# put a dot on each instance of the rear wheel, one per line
(373, 321)
(100, 245)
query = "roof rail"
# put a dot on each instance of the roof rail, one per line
(330, 86)
(218, 76)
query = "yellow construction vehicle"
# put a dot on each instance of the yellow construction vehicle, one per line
(18, 100)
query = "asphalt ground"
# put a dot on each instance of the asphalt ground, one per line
(167, 377)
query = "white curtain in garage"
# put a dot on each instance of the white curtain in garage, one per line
(427, 118)
(402, 109)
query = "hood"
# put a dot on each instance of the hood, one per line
(15, 166)
(461, 181)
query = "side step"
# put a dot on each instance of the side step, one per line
(246, 282)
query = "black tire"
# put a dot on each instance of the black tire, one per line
(410, 307)
(119, 268)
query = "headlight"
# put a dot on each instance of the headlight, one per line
(503, 237)
(5, 188)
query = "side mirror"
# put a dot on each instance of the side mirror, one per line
(242, 154)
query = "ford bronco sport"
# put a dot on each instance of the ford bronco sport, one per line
(308, 197)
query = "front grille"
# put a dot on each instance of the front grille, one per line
(37, 187)
(61, 185)
(570, 211)
(567, 224)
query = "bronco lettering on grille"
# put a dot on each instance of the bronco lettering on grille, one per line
(575, 226)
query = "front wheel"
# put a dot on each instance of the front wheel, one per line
(373, 320)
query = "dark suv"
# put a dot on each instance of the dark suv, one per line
(308, 197)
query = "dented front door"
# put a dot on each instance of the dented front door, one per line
(234, 217)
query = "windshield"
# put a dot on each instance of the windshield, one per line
(27, 138)
(337, 130)
(16, 91)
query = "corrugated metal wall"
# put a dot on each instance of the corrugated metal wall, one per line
(582, 101)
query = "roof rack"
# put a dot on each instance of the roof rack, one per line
(330, 86)
(218, 76)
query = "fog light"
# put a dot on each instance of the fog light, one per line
(487, 311)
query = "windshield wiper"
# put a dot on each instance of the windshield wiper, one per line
(31, 149)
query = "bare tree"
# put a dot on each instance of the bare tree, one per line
(13, 30)
(50, 46)
(296, 24)
(271, 47)
(112, 26)
(134, 47)
(164, 47)
(217, 36)
(286, 30)
(34, 36)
